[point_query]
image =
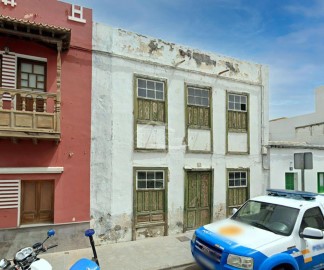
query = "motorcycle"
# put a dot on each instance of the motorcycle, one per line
(86, 264)
(27, 258)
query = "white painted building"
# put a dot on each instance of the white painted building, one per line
(177, 135)
(300, 134)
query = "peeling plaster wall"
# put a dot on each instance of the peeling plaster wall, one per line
(132, 45)
(101, 146)
(118, 55)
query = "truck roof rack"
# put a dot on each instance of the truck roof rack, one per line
(308, 196)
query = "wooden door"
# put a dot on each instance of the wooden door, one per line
(150, 202)
(37, 202)
(197, 200)
(150, 206)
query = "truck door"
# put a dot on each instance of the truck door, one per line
(312, 250)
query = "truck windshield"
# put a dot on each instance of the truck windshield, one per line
(275, 218)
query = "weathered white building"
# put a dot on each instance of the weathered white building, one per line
(300, 134)
(177, 135)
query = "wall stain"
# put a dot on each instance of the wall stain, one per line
(187, 53)
(109, 229)
(149, 232)
(154, 46)
(232, 67)
(203, 58)
(220, 211)
(180, 224)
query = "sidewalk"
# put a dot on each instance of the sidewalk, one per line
(148, 254)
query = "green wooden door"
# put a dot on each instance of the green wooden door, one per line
(150, 202)
(320, 182)
(289, 181)
(150, 206)
(197, 200)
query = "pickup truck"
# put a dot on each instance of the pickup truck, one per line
(282, 230)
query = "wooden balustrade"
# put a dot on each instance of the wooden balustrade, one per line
(29, 114)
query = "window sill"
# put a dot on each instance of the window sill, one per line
(48, 224)
(237, 130)
(150, 150)
(238, 153)
(198, 127)
(35, 225)
(150, 122)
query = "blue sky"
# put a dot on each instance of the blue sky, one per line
(288, 36)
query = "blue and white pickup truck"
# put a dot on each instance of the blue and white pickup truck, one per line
(280, 231)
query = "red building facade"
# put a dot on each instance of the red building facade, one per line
(45, 113)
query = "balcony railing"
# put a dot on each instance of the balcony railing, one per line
(29, 114)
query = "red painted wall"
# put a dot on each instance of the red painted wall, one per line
(8, 218)
(72, 187)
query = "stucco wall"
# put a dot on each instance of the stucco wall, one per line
(72, 192)
(118, 56)
(299, 134)
(282, 159)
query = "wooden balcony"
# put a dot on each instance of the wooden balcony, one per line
(29, 115)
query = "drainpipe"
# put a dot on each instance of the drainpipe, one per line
(264, 149)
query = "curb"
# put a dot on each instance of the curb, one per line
(177, 266)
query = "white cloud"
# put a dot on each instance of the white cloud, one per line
(314, 10)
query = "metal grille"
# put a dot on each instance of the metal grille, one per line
(9, 194)
(211, 252)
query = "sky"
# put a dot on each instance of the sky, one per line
(287, 36)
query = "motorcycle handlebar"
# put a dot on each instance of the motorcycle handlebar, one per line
(53, 246)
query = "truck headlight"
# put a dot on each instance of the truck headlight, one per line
(193, 238)
(240, 261)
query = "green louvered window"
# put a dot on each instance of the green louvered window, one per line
(237, 114)
(150, 100)
(198, 107)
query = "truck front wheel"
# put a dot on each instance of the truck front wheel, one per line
(283, 267)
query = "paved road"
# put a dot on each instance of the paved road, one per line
(191, 267)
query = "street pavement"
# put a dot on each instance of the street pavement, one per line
(167, 252)
(190, 267)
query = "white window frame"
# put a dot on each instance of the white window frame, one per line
(154, 179)
(196, 97)
(239, 179)
(238, 99)
(155, 89)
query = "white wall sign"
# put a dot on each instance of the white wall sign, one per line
(77, 14)
(9, 2)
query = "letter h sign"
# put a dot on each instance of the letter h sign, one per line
(77, 14)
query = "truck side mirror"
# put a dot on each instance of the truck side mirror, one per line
(312, 233)
(234, 210)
